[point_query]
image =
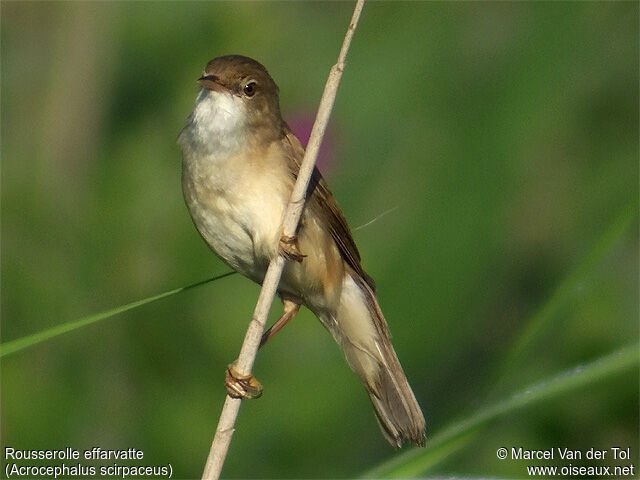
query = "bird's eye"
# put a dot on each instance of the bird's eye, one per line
(249, 89)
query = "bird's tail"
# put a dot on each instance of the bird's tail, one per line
(361, 330)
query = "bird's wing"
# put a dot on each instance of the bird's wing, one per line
(320, 199)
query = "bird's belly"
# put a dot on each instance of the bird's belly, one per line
(227, 236)
(238, 220)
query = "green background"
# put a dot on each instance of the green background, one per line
(504, 135)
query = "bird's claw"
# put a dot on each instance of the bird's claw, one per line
(241, 386)
(289, 248)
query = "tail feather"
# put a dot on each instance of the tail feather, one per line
(362, 332)
(395, 405)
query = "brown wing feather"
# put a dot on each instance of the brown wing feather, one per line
(321, 200)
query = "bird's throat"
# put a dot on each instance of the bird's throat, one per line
(217, 126)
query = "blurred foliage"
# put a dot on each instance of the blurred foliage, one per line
(505, 133)
(414, 462)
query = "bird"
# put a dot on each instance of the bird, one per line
(240, 161)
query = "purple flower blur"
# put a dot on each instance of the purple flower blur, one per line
(301, 123)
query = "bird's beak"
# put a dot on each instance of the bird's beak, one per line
(210, 82)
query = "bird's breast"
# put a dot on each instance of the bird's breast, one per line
(237, 203)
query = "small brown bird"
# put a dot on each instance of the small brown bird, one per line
(240, 161)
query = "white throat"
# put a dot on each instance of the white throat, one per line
(217, 125)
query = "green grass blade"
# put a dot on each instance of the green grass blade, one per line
(569, 287)
(417, 461)
(14, 346)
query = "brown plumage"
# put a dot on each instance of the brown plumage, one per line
(240, 161)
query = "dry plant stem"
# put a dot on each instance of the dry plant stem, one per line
(251, 343)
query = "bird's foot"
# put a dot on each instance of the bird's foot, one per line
(289, 248)
(241, 386)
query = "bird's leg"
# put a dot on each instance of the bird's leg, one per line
(289, 248)
(291, 308)
(246, 386)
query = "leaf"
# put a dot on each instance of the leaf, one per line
(569, 288)
(417, 461)
(14, 346)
